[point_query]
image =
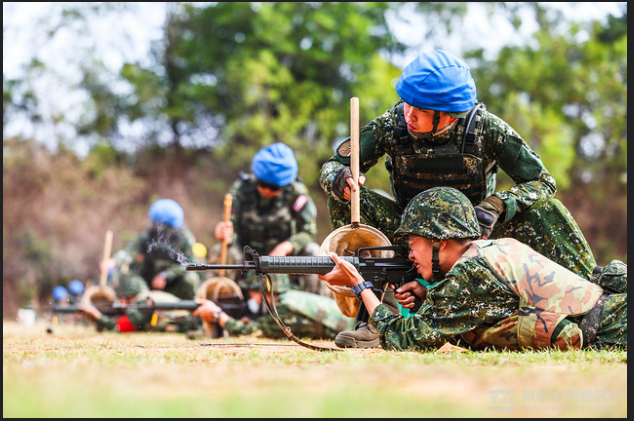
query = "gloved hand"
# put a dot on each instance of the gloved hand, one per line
(340, 183)
(488, 213)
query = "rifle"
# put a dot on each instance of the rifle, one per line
(380, 271)
(236, 309)
(232, 305)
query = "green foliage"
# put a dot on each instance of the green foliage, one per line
(265, 72)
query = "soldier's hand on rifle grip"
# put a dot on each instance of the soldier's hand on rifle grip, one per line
(224, 231)
(408, 293)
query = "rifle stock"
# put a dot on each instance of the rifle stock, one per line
(397, 270)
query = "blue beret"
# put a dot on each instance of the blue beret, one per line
(438, 81)
(76, 287)
(59, 293)
(275, 164)
(167, 211)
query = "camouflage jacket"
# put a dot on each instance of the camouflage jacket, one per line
(157, 250)
(500, 145)
(500, 303)
(308, 315)
(263, 223)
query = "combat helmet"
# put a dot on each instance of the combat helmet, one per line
(130, 286)
(441, 213)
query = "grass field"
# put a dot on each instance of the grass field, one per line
(77, 372)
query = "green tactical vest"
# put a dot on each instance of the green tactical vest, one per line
(548, 294)
(263, 223)
(415, 165)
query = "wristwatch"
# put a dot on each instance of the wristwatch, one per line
(358, 288)
(217, 314)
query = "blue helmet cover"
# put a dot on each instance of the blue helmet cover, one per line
(275, 164)
(76, 287)
(167, 211)
(59, 293)
(438, 81)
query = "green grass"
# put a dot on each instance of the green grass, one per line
(79, 373)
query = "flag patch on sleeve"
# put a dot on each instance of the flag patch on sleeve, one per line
(300, 202)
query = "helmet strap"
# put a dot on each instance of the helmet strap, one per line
(429, 136)
(434, 122)
(435, 261)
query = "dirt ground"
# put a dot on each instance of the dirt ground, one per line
(43, 373)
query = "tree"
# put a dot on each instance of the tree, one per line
(568, 99)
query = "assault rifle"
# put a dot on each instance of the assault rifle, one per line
(380, 271)
(235, 309)
(232, 305)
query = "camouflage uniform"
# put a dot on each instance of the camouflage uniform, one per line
(308, 315)
(532, 214)
(502, 294)
(175, 321)
(145, 320)
(263, 223)
(160, 248)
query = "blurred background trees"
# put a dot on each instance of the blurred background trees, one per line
(90, 143)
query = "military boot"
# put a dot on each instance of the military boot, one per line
(365, 335)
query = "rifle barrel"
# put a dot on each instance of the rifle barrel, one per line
(202, 266)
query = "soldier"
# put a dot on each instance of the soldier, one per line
(437, 135)
(272, 213)
(308, 315)
(133, 290)
(157, 255)
(489, 293)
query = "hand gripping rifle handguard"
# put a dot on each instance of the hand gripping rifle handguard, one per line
(380, 271)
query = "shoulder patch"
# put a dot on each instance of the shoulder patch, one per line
(300, 202)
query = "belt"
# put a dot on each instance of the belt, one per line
(591, 322)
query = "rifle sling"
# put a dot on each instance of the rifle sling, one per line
(266, 280)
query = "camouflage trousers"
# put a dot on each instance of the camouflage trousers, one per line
(547, 227)
(612, 329)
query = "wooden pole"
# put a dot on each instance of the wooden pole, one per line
(225, 243)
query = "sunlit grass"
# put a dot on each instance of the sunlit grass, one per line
(82, 373)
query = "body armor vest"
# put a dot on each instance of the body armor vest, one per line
(416, 165)
(548, 294)
(263, 223)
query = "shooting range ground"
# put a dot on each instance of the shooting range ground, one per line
(78, 372)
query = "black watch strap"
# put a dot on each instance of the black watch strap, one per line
(358, 288)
